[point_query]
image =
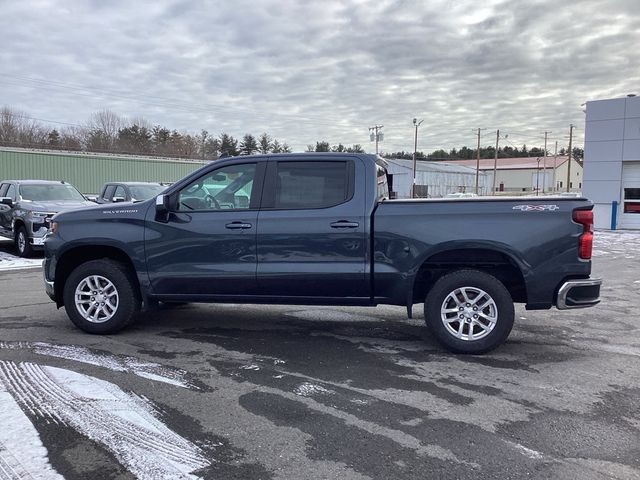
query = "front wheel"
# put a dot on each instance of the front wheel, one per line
(22, 243)
(469, 311)
(101, 296)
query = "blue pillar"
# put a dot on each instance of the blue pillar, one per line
(614, 214)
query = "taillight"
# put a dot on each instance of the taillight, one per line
(585, 242)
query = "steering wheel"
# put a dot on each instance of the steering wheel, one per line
(211, 201)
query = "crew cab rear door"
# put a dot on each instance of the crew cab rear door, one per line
(311, 228)
(207, 244)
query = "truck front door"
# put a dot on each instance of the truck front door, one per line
(311, 229)
(207, 244)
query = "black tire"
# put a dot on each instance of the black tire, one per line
(21, 240)
(128, 304)
(502, 308)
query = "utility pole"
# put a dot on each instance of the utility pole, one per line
(478, 163)
(544, 163)
(416, 124)
(569, 159)
(555, 164)
(495, 163)
(375, 134)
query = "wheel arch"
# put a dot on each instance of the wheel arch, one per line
(492, 259)
(75, 256)
(17, 223)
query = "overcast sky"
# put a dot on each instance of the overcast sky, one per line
(312, 70)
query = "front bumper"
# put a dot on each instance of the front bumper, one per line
(49, 285)
(579, 294)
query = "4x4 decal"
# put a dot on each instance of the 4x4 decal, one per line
(536, 208)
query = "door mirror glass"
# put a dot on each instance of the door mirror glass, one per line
(162, 203)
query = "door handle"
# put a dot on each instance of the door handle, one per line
(344, 224)
(238, 226)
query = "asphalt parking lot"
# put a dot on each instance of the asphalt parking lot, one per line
(240, 391)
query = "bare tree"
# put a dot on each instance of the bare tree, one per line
(103, 128)
(17, 129)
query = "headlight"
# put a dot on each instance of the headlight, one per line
(39, 214)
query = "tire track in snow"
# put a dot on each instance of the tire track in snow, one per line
(124, 423)
(149, 370)
(22, 455)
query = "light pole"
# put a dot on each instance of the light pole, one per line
(416, 124)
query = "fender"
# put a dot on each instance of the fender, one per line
(497, 247)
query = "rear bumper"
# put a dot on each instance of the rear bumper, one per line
(579, 294)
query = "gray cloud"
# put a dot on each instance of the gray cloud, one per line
(306, 71)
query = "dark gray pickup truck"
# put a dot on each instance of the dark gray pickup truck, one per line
(319, 229)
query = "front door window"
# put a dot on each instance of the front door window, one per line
(228, 188)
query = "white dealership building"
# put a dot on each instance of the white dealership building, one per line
(612, 161)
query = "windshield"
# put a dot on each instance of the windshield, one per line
(50, 192)
(144, 192)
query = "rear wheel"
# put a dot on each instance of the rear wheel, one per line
(101, 296)
(22, 243)
(469, 311)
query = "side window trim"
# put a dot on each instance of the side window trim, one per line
(269, 191)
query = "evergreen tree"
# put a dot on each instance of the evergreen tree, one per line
(322, 146)
(248, 146)
(53, 139)
(264, 143)
(228, 145)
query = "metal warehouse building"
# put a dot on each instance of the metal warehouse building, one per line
(433, 179)
(530, 174)
(612, 161)
(89, 171)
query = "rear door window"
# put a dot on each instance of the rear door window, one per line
(120, 193)
(3, 189)
(312, 184)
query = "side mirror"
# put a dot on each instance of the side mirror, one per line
(118, 199)
(6, 201)
(162, 203)
(163, 207)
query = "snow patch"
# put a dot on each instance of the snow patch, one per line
(250, 367)
(616, 243)
(534, 454)
(13, 262)
(126, 424)
(307, 389)
(149, 370)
